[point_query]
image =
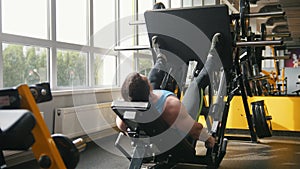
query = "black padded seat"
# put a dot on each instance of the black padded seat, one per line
(16, 126)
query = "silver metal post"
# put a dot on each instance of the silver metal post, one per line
(259, 43)
(265, 14)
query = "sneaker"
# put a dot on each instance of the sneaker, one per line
(156, 49)
(215, 40)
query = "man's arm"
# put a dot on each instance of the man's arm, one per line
(120, 124)
(177, 116)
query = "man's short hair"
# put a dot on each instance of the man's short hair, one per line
(135, 88)
(159, 5)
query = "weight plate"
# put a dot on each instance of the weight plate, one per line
(67, 150)
(262, 124)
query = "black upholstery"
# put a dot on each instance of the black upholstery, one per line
(148, 122)
(16, 126)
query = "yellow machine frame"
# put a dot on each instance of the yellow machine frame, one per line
(44, 144)
(273, 76)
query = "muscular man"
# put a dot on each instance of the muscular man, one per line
(177, 114)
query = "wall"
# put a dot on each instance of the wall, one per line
(77, 98)
(292, 78)
(283, 109)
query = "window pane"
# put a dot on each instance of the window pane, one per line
(144, 6)
(104, 25)
(105, 68)
(142, 30)
(176, 3)
(145, 62)
(72, 21)
(209, 2)
(24, 64)
(71, 68)
(26, 18)
(143, 37)
(187, 3)
(126, 30)
(198, 2)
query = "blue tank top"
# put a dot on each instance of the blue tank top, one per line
(159, 105)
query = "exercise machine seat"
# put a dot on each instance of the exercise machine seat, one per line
(144, 121)
(16, 126)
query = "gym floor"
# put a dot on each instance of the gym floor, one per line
(277, 152)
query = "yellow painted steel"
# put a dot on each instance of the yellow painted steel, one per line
(44, 144)
(285, 112)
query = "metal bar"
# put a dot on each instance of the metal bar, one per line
(90, 40)
(277, 57)
(1, 51)
(123, 48)
(279, 35)
(244, 98)
(230, 6)
(52, 50)
(135, 18)
(259, 43)
(51, 43)
(265, 14)
(292, 46)
(140, 22)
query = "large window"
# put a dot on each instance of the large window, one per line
(71, 43)
(57, 41)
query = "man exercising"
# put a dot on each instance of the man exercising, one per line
(180, 115)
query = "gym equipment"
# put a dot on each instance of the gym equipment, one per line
(247, 61)
(151, 139)
(56, 151)
(168, 26)
(254, 45)
(245, 16)
(262, 119)
(15, 131)
(297, 84)
(157, 145)
(275, 84)
(184, 35)
(145, 124)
